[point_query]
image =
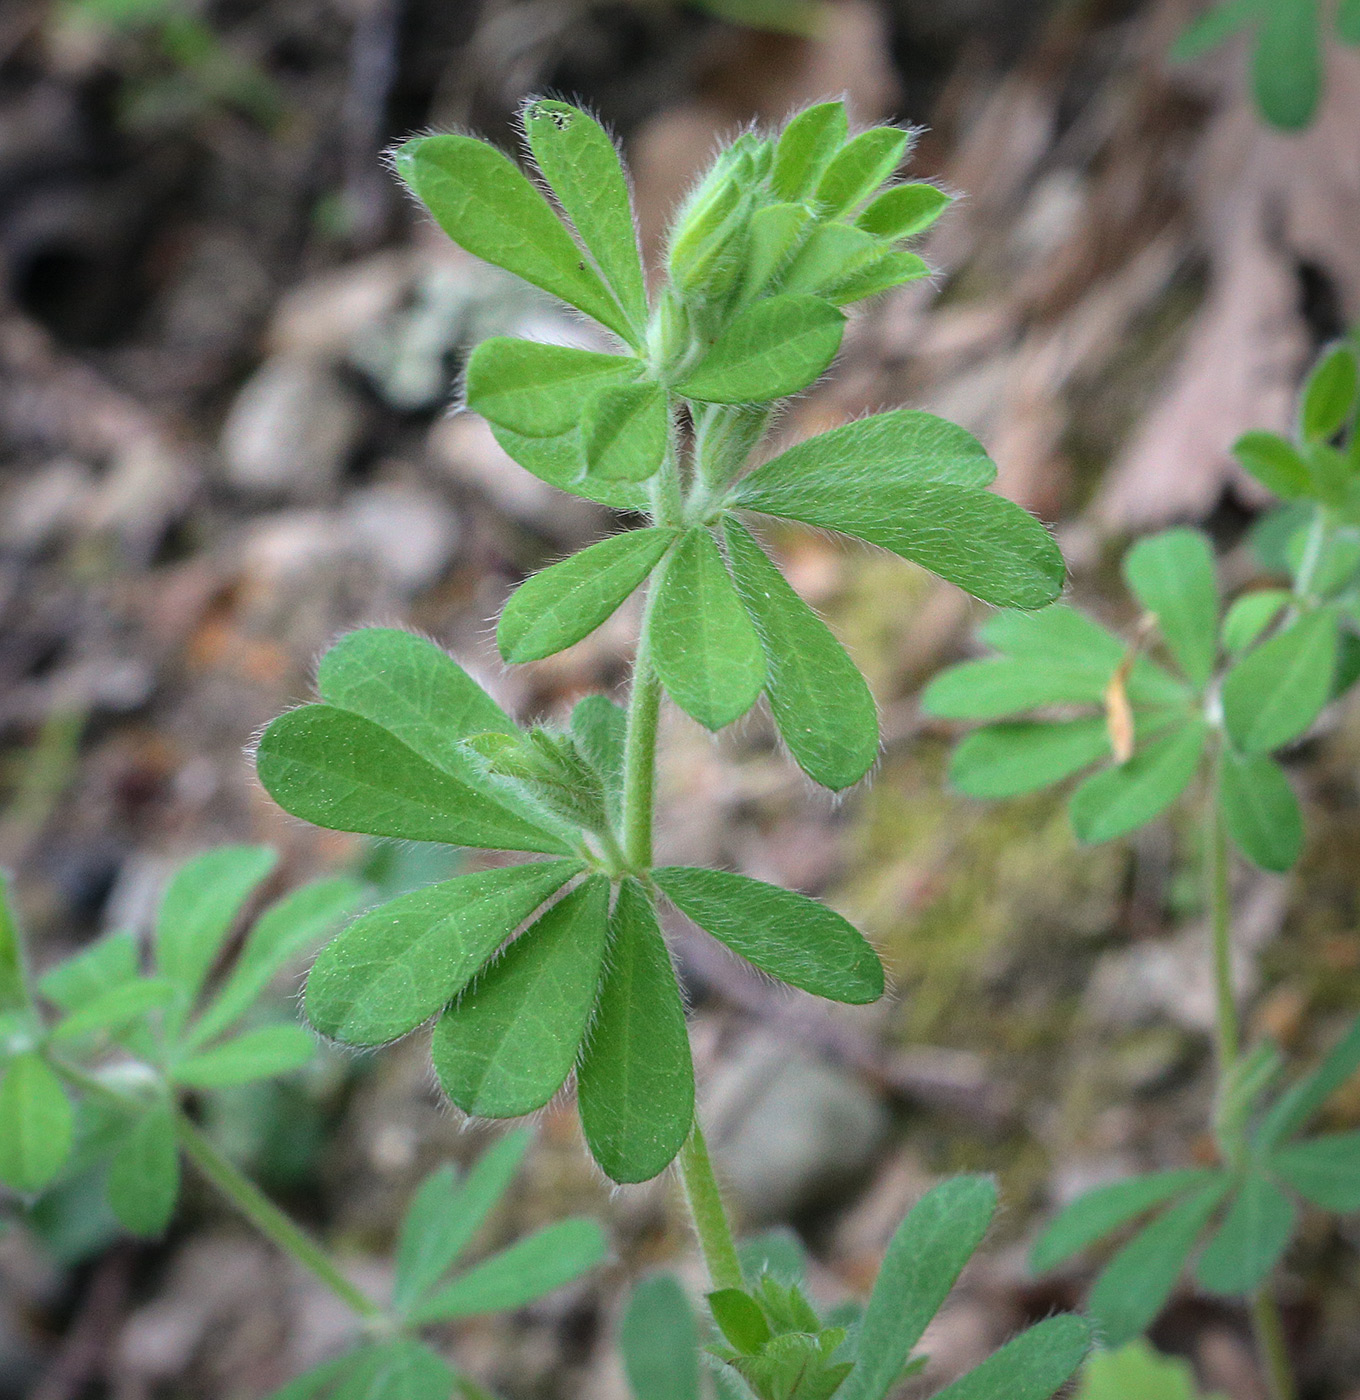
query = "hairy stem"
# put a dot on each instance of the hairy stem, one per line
(268, 1219)
(1269, 1331)
(639, 754)
(706, 1210)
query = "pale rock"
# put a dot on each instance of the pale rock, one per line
(409, 532)
(43, 505)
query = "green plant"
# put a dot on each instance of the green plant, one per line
(1287, 57)
(1136, 1372)
(538, 970)
(99, 1057)
(1236, 687)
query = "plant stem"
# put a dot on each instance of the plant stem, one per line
(1269, 1331)
(639, 753)
(1228, 1038)
(706, 1210)
(268, 1219)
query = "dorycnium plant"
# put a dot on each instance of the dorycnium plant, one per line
(1288, 49)
(1198, 704)
(553, 967)
(100, 1062)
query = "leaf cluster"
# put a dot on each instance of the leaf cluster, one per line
(771, 1343)
(534, 971)
(1243, 1213)
(1287, 49)
(136, 1039)
(445, 1215)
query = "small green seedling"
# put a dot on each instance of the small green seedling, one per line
(555, 967)
(1287, 49)
(768, 1340)
(1199, 701)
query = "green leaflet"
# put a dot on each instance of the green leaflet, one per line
(773, 349)
(539, 390)
(1260, 810)
(13, 981)
(1007, 760)
(1172, 576)
(143, 1180)
(775, 231)
(257, 1054)
(1250, 615)
(1136, 1372)
(447, 1213)
(599, 728)
(283, 932)
(899, 451)
(903, 211)
(1135, 1284)
(106, 963)
(1329, 396)
(413, 689)
(1097, 1213)
(397, 965)
(579, 160)
(559, 606)
(528, 1269)
(890, 270)
(1348, 21)
(1275, 692)
(558, 461)
(482, 200)
(624, 431)
(703, 645)
(116, 1009)
(982, 542)
(1286, 68)
(635, 1084)
(997, 687)
(1296, 1105)
(806, 147)
(740, 1319)
(1212, 28)
(1250, 1239)
(924, 1259)
(507, 1047)
(659, 1340)
(784, 934)
(1119, 800)
(199, 907)
(859, 168)
(826, 256)
(1275, 463)
(342, 771)
(1032, 1366)
(821, 704)
(400, 1369)
(1324, 1170)
(36, 1124)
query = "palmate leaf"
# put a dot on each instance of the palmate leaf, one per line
(143, 1179)
(1277, 690)
(257, 1054)
(400, 1369)
(507, 1047)
(447, 1213)
(36, 1124)
(342, 771)
(199, 908)
(556, 608)
(775, 348)
(1121, 799)
(527, 1270)
(400, 963)
(1292, 1110)
(784, 934)
(1250, 1239)
(579, 160)
(1259, 809)
(659, 1341)
(806, 147)
(1105, 1209)
(480, 198)
(705, 649)
(538, 390)
(1172, 576)
(1032, 1366)
(1135, 1284)
(1323, 1170)
(635, 1084)
(925, 1257)
(821, 704)
(558, 461)
(1008, 760)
